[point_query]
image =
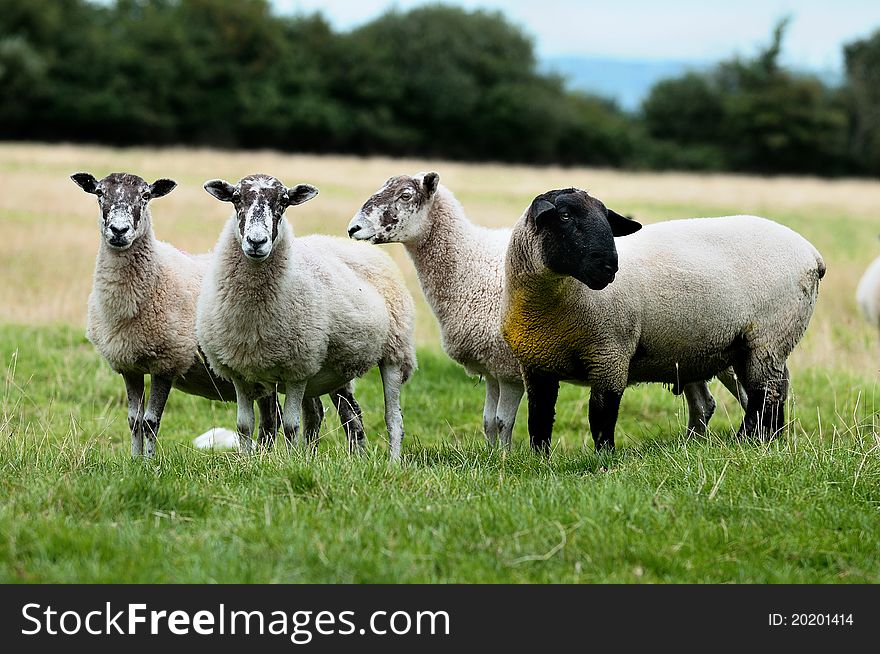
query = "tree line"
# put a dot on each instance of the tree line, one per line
(436, 81)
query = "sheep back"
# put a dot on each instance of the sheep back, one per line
(688, 294)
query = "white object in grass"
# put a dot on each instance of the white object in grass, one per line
(217, 438)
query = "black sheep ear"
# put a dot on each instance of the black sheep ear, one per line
(621, 225)
(162, 187)
(300, 193)
(430, 182)
(542, 209)
(86, 181)
(220, 189)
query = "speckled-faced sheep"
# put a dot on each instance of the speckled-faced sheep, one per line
(461, 270)
(142, 309)
(310, 313)
(460, 266)
(868, 294)
(689, 298)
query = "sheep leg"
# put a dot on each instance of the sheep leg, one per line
(160, 388)
(270, 411)
(490, 411)
(245, 417)
(765, 415)
(392, 380)
(291, 418)
(134, 389)
(542, 390)
(701, 406)
(350, 417)
(508, 404)
(731, 382)
(313, 416)
(604, 407)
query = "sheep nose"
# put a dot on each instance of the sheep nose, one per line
(257, 242)
(118, 231)
(353, 230)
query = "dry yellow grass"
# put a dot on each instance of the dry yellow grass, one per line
(49, 238)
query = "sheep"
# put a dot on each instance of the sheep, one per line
(689, 298)
(461, 270)
(310, 313)
(460, 267)
(868, 293)
(142, 308)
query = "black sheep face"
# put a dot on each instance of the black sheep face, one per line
(576, 235)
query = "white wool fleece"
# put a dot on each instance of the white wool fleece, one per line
(460, 267)
(142, 308)
(685, 293)
(321, 309)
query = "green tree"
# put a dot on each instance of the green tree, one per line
(863, 93)
(749, 115)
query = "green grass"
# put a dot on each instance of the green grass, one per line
(664, 508)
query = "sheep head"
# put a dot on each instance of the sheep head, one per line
(260, 202)
(123, 199)
(575, 233)
(397, 212)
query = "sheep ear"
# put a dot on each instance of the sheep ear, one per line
(300, 193)
(162, 187)
(621, 225)
(541, 208)
(220, 189)
(430, 182)
(86, 181)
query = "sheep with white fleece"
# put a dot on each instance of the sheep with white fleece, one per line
(674, 302)
(142, 308)
(460, 266)
(868, 294)
(310, 314)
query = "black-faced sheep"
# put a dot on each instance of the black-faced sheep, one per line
(689, 298)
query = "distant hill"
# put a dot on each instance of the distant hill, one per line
(629, 81)
(626, 81)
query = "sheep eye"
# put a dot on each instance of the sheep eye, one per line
(564, 215)
(145, 195)
(236, 196)
(99, 192)
(406, 196)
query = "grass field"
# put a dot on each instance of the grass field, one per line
(664, 508)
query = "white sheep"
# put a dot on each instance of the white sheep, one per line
(868, 293)
(142, 308)
(311, 313)
(460, 267)
(689, 298)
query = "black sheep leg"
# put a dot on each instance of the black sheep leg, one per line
(604, 407)
(765, 411)
(542, 390)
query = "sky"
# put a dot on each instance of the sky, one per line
(682, 30)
